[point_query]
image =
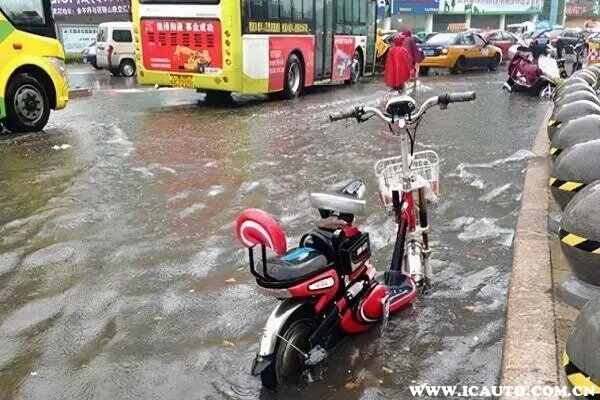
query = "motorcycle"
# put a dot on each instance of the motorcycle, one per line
(327, 286)
(535, 78)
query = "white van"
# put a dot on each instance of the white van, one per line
(114, 48)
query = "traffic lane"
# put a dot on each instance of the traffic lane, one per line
(125, 238)
(87, 77)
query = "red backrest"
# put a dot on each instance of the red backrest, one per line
(255, 226)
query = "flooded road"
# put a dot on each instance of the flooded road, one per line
(120, 277)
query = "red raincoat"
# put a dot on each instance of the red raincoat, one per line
(398, 65)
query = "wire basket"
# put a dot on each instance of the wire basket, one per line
(424, 173)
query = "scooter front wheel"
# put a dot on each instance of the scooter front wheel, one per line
(289, 361)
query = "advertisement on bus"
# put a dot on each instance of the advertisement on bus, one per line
(192, 46)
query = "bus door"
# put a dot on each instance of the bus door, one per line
(324, 38)
(371, 36)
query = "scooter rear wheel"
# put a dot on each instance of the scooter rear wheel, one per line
(288, 364)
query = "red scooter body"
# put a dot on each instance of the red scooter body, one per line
(326, 283)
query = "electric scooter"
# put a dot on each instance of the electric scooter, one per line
(327, 285)
(535, 77)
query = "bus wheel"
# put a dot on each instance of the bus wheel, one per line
(127, 68)
(293, 78)
(355, 69)
(27, 104)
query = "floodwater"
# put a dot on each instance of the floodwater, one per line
(120, 277)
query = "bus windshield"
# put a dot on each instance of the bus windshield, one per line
(29, 15)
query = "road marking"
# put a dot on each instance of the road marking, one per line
(579, 242)
(567, 186)
(137, 90)
(578, 378)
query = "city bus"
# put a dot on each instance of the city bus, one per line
(253, 46)
(32, 65)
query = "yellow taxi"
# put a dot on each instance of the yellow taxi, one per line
(459, 51)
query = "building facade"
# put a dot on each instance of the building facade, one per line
(456, 15)
(77, 20)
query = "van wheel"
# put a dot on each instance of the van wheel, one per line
(127, 68)
(27, 104)
(293, 78)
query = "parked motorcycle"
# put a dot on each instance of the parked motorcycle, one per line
(327, 285)
(537, 77)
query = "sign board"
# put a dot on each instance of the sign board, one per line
(491, 6)
(67, 8)
(582, 8)
(76, 37)
(415, 6)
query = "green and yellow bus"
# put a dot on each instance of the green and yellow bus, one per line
(253, 46)
(32, 65)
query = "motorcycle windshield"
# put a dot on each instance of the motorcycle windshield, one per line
(549, 67)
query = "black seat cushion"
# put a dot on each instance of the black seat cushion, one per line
(296, 264)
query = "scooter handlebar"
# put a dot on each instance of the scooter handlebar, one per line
(456, 97)
(350, 113)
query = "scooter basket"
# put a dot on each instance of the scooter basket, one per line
(424, 173)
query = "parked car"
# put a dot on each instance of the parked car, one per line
(521, 30)
(89, 55)
(459, 52)
(115, 48)
(501, 39)
(560, 38)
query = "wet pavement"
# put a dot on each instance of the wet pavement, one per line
(120, 277)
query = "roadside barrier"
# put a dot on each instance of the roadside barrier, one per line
(576, 167)
(574, 96)
(574, 110)
(580, 359)
(576, 131)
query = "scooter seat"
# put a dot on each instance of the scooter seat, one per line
(295, 265)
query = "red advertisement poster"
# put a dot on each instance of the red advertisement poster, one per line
(182, 45)
(343, 52)
(280, 48)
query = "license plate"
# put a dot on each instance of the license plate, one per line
(428, 52)
(184, 81)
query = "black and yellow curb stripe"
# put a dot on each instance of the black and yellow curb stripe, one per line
(566, 186)
(555, 151)
(580, 380)
(581, 243)
(553, 123)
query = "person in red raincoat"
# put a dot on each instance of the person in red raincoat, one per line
(398, 65)
(416, 55)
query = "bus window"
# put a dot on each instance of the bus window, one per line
(285, 9)
(24, 12)
(348, 11)
(340, 12)
(257, 9)
(297, 10)
(307, 5)
(364, 4)
(273, 9)
(356, 10)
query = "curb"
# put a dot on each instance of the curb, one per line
(80, 92)
(529, 356)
